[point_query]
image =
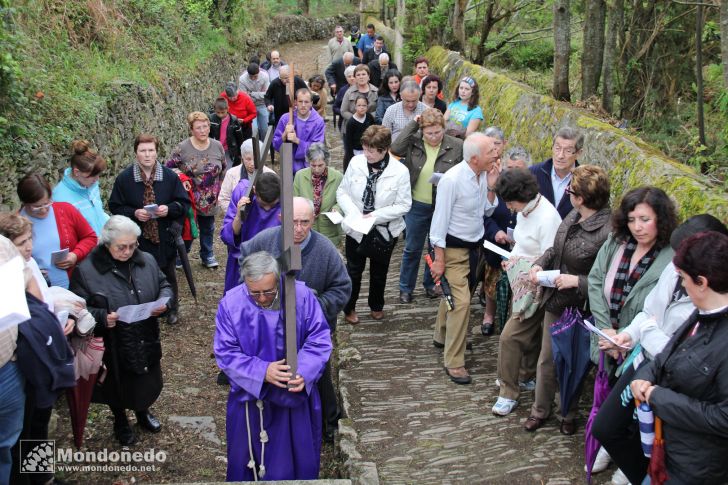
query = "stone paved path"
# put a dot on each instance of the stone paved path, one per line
(404, 414)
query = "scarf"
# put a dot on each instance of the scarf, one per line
(370, 191)
(150, 228)
(624, 281)
(318, 182)
(531, 206)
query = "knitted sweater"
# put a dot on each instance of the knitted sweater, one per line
(322, 268)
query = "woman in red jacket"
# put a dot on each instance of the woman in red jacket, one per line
(61, 235)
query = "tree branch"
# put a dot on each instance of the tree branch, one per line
(709, 5)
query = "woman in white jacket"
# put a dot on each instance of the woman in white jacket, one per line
(375, 186)
(666, 308)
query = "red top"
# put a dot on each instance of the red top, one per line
(243, 107)
(74, 232)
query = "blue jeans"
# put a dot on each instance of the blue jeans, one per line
(12, 397)
(418, 227)
(262, 120)
(207, 229)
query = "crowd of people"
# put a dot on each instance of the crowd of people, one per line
(415, 168)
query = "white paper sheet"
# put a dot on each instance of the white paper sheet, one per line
(58, 256)
(152, 210)
(509, 233)
(547, 278)
(359, 223)
(435, 178)
(136, 313)
(334, 217)
(13, 305)
(497, 250)
(603, 335)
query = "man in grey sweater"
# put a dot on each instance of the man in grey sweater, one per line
(324, 272)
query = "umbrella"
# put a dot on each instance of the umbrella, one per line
(657, 469)
(176, 230)
(89, 352)
(570, 343)
(442, 282)
(601, 391)
(100, 300)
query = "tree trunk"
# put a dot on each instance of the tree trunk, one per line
(304, 6)
(562, 50)
(614, 26)
(724, 39)
(593, 50)
(699, 73)
(486, 27)
(458, 26)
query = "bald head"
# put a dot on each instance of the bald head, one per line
(348, 58)
(302, 219)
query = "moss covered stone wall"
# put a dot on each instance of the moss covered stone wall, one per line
(530, 120)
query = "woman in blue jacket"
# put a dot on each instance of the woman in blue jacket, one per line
(80, 185)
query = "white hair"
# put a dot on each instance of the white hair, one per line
(471, 145)
(256, 265)
(383, 57)
(349, 71)
(247, 147)
(116, 227)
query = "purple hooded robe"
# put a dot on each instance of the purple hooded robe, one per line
(257, 220)
(310, 131)
(247, 339)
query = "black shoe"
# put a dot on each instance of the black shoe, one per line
(173, 317)
(222, 379)
(459, 380)
(124, 434)
(405, 297)
(148, 421)
(487, 329)
(432, 293)
(329, 435)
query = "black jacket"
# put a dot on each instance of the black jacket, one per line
(335, 72)
(236, 134)
(692, 400)
(375, 72)
(127, 196)
(138, 343)
(44, 356)
(276, 95)
(542, 171)
(370, 55)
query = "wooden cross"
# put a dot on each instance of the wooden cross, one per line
(290, 258)
(258, 160)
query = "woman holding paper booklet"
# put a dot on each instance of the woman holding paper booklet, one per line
(117, 274)
(63, 237)
(665, 309)
(375, 190)
(318, 182)
(575, 247)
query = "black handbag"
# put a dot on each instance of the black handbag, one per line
(373, 245)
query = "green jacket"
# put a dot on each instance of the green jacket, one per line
(302, 187)
(635, 300)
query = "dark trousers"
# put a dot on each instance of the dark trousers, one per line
(378, 268)
(170, 273)
(329, 406)
(618, 431)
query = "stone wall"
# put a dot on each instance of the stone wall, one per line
(131, 108)
(530, 119)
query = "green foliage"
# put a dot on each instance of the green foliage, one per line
(537, 55)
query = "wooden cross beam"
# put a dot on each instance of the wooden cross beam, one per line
(258, 160)
(290, 258)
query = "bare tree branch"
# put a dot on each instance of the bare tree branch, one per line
(709, 5)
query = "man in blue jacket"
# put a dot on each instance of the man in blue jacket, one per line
(554, 175)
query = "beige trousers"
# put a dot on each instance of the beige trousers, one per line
(519, 342)
(451, 327)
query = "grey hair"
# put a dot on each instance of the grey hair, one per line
(471, 147)
(349, 71)
(116, 227)
(348, 55)
(285, 68)
(308, 202)
(518, 153)
(247, 147)
(256, 265)
(569, 133)
(494, 132)
(409, 85)
(317, 151)
(383, 56)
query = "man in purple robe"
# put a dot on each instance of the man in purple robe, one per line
(264, 212)
(268, 409)
(308, 127)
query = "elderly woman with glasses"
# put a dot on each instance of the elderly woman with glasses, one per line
(318, 182)
(425, 150)
(62, 235)
(118, 274)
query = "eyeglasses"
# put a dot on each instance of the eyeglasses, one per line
(263, 294)
(564, 150)
(125, 247)
(40, 208)
(570, 191)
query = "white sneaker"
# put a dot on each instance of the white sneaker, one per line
(619, 478)
(504, 407)
(525, 386)
(601, 462)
